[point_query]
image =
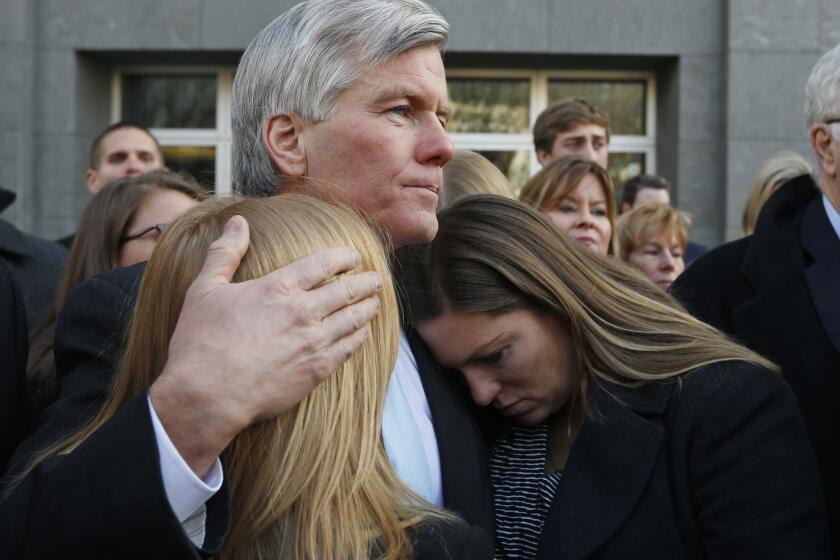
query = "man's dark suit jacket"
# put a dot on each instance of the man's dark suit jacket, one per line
(778, 292)
(37, 265)
(89, 486)
(14, 346)
(718, 467)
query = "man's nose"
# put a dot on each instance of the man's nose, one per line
(133, 165)
(667, 261)
(589, 153)
(435, 145)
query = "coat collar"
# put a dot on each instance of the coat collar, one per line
(465, 475)
(777, 234)
(820, 241)
(608, 470)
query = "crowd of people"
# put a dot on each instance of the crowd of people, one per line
(377, 348)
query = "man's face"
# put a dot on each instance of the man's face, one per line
(385, 144)
(588, 141)
(125, 151)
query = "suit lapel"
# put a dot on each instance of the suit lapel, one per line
(463, 452)
(823, 276)
(608, 469)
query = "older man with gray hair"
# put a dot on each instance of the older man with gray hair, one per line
(349, 92)
(778, 291)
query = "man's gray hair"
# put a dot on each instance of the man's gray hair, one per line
(303, 60)
(822, 92)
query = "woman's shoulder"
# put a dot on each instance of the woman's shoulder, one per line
(718, 387)
(450, 538)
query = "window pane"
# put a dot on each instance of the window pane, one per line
(486, 105)
(623, 167)
(198, 161)
(514, 165)
(623, 102)
(167, 101)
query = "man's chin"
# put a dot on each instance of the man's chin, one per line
(423, 232)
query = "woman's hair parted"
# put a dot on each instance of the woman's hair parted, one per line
(315, 481)
(645, 221)
(558, 179)
(495, 255)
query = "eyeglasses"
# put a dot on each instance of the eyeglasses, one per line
(144, 231)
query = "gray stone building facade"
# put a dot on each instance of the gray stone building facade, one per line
(720, 85)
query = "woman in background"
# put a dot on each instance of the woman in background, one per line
(469, 173)
(772, 174)
(623, 427)
(652, 238)
(314, 482)
(119, 227)
(577, 196)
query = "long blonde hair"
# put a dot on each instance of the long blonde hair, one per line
(495, 255)
(779, 169)
(469, 173)
(315, 481)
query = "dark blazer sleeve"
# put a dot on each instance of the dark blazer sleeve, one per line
(13, 353)
(754, 483)
(451, 539)
(712, 285)
(104, 499)
(88, 341)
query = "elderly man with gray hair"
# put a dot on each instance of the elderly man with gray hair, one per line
(778, 290)
(349, 92)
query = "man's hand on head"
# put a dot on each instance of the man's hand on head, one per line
(249, 351)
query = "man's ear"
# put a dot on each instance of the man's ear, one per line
(821, 140)
(90, 179)
(283, 139)
(543, 157)
(625, 207)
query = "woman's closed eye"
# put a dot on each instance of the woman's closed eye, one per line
(495, 358)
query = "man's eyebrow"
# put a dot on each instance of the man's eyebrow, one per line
(404, 92)
(396, 92)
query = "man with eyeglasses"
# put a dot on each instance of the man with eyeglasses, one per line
(778, 291)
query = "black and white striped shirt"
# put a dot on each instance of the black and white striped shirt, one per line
(522, 491)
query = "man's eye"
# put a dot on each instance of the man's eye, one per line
(402, 110)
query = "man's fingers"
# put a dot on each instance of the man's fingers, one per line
(343, 348)
(346, 290)
(313, 269)
(224, 254)
(349, 319)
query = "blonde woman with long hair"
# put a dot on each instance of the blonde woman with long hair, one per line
(772, 174)
(623, 427)
(314, 482)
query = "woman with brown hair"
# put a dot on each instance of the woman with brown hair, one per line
(623, 427)
(577, 196)
(119, 227)
(315, 482)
